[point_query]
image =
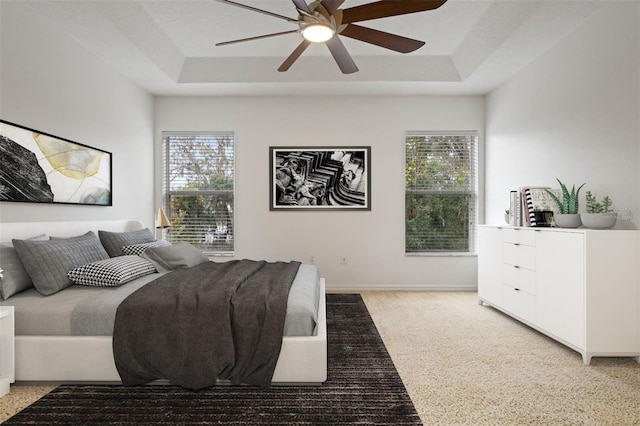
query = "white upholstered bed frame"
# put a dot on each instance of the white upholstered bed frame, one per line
(65, 359)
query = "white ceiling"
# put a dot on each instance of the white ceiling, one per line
(168, 46)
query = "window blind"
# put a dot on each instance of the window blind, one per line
(441, 186)
(198, 189)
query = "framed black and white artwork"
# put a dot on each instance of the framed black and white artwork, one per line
(320, 178)
(37, 167)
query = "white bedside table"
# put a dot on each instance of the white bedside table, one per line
(7, 354)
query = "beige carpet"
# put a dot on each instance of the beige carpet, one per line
(466, 364)
(463, 363)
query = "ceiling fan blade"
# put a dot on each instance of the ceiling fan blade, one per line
(341, 55)
(255, 9)
(386, 8)
(332, 5)
(301, 5)
(224, 43)
(383, 39)
(294, 56)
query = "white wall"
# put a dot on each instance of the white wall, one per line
(372, 242)
(573, 114)
(50, 83)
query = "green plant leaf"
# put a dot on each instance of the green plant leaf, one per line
(556, 200)
(593, 206)
(570, 201)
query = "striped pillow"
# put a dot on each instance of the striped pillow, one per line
(111, 272)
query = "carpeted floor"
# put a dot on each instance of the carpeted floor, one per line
(363, 387)
(467, 364)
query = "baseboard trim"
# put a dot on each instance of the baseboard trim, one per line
(385, 287)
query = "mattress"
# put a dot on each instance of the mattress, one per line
(90, 311)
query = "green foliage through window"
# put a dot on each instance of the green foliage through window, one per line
(440, 192)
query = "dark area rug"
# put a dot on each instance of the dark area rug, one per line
(363, 387)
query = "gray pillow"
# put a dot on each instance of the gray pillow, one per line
(14, 278)
(114, 241)
(178, 255)
(47, 262)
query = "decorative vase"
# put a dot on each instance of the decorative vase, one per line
(567, 220)
(599, 220)
(506, 217)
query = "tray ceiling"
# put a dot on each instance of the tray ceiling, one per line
(168, 47)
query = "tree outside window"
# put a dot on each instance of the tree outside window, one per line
(440, 192)
(199, 189)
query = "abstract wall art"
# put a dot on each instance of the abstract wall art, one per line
(37, 167)
(320, 178)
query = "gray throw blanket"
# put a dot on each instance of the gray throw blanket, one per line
(197, 325)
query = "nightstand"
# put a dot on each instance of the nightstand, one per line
(7, 352)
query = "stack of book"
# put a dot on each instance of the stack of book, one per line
(532, 206)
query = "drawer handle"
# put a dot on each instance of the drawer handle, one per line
(516, 289)
(516, 266)
(516, 244)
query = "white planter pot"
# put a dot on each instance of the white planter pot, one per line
(599, 220)
(567, 220)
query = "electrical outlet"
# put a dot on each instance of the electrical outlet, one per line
(343, 260)
(312, 260)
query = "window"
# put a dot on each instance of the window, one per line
(440, 192)
(198, 189)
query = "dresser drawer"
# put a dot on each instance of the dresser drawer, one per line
(525, 237)
(519, 303)
(519, 255)
(519, 278)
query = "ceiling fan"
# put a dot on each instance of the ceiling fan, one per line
(322, 21)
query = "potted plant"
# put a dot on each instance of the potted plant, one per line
(568, 216)
(599, 214)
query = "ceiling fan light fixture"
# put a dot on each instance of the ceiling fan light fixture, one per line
(317, 33)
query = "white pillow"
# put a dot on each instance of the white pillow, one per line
(111, 272)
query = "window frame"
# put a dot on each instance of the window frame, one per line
(472, 191)
(166, 193)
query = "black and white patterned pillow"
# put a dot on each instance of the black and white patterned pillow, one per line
(111, 272)
(138, 249)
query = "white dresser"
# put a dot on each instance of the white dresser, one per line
(580, 287)
(7, 375)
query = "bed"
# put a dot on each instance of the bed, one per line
(56, 354)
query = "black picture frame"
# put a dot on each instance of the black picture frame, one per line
(38, 167)
(320, 178)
